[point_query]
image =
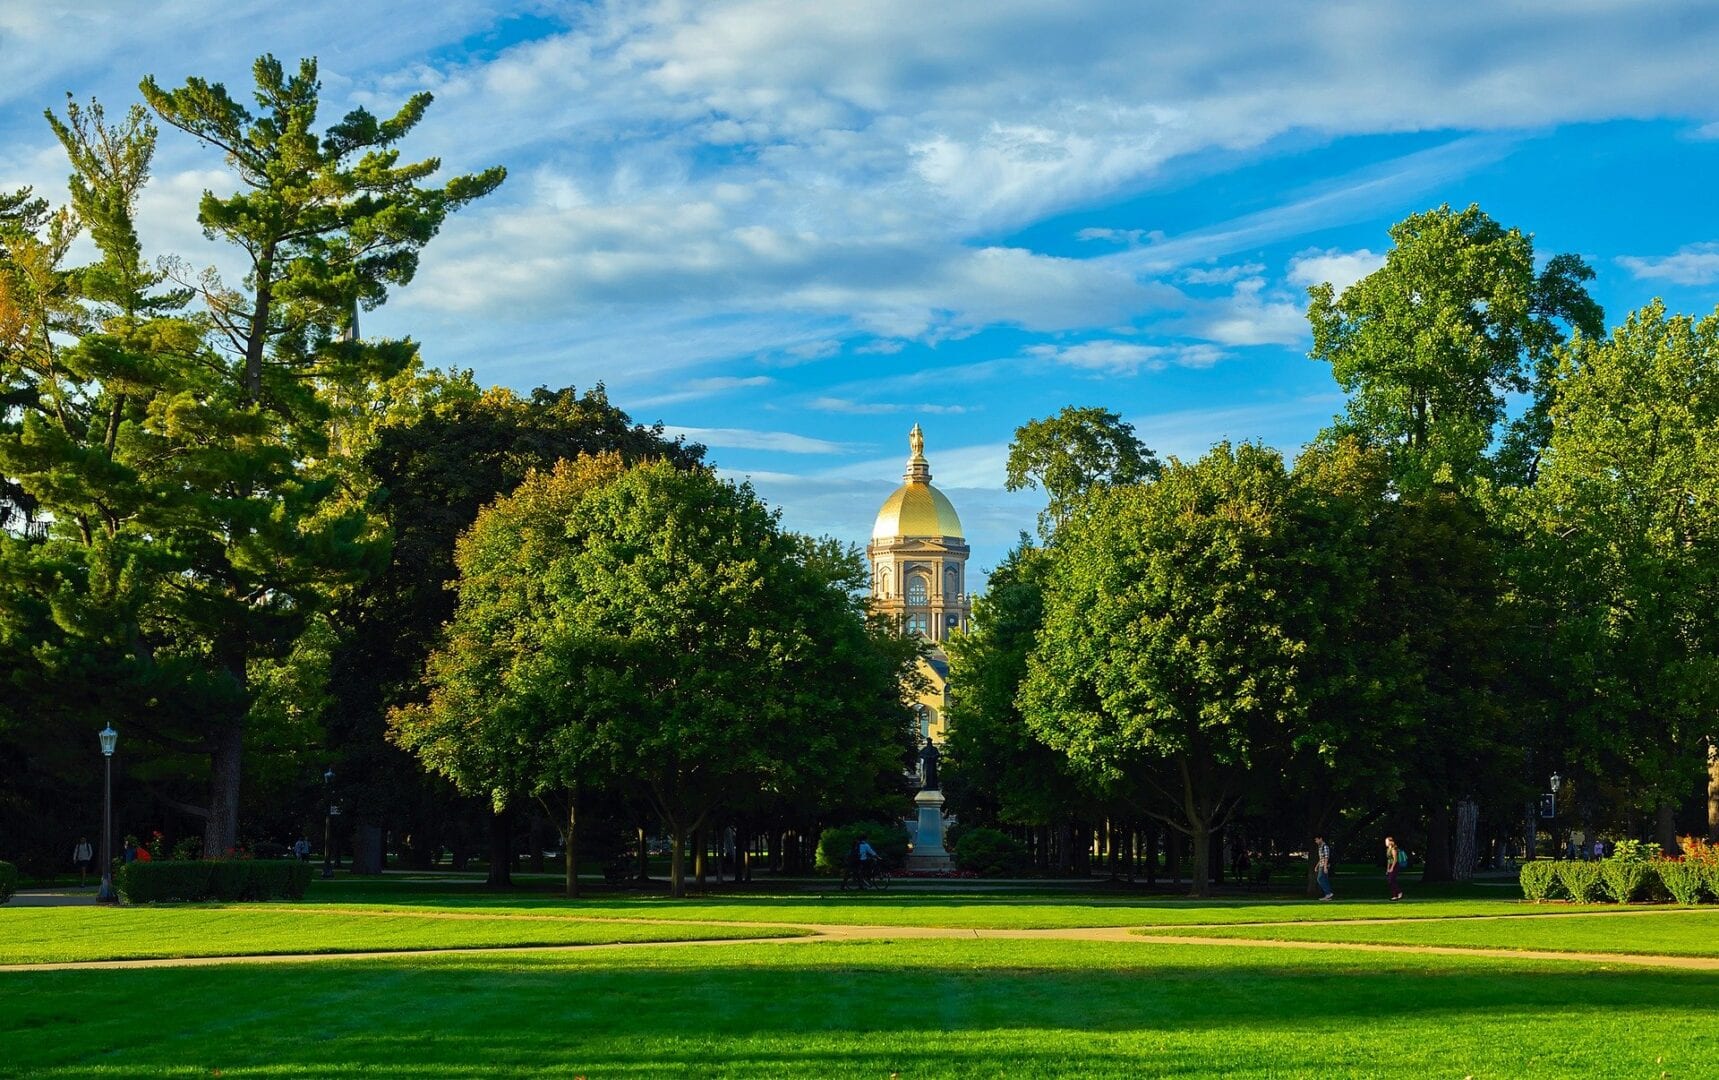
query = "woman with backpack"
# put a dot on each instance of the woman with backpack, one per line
(1395, 859)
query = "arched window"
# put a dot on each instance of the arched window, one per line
(919, 624)
(918, 593)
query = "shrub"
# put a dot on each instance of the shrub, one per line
(1582, 880)
(8, 881)
(1625, 879)
(990, 853)
(1684, 880)
(189, 848)
(1540, 881)
(153, 882)
(890, 842)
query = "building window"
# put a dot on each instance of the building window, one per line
(919, 624)
(927, 716)
(918, 593)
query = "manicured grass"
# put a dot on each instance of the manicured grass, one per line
(58, 935)
(1676, 933)
(952, 908)
(913, 1008)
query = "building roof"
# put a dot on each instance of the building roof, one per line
(916, 508)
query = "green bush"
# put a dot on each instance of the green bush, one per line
(1582, 880)
(1540, 881)
(261, 879)
(8, 881)
(890, 842)
(1685, 881)
(990, 853)
(1626, 879)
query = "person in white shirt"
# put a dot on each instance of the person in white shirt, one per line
(82, 854)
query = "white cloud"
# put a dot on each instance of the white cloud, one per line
(852, 407)
(1220, 275)
(1691, 264)
(1341, 268)
(782, 442)
(1126, 357)
(1250, 315)
(697, 389)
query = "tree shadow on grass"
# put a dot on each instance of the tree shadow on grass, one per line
(916, 1008)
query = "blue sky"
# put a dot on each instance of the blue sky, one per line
(791, 230)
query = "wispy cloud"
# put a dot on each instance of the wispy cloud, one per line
(1341, 268)
(851, 407)
(782, 442)
(1692, 264)
(697, 389)
(1112, 357)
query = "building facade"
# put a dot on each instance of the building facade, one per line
(919, 576)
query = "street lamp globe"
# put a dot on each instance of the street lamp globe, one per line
(109, 738)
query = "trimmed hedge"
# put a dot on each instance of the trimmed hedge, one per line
(8, 881)
(1582, 880)
(1685, 881)
(1539, 881)
(889, 841)
(244, 879)
(1624, 880)
(990, 853)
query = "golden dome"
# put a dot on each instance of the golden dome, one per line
(916, 508)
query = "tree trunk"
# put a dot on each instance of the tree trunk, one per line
(1713, 790)
(1467, 826)
(1665, 828)
(644, 856)
(570, 845)
(1202, 868)
(700, 842)
(221, 833)
(677, 861)
(535, 839)
(1175, 838)
(501, 848)
(1151, 854)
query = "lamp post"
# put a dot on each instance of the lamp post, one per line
(328, 823)
(1556, 782)
(109, 739)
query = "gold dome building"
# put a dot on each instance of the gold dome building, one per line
(919, 575)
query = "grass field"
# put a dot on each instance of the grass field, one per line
(60, 935)
(1674, 933)
(908, 1007)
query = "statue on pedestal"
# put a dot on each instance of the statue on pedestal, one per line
(928, 766)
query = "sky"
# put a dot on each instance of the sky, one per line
(791, 230)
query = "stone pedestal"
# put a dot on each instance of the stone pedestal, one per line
(928, 852)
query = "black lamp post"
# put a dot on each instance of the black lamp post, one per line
(328, 823)
(1556, 782)
(109, 739)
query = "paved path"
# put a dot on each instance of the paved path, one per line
(832, 933)
(49, 898)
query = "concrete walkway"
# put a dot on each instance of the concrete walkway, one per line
(52, 898)
(814, 933)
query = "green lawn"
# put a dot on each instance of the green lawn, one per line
(915, 1008)
(1679, 933)
(55, 935)
(952, 908)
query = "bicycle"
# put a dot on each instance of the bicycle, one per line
(853, 877)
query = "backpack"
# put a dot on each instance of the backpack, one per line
(1402, 858)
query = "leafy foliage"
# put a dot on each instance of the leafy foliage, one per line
(225, 880)
(1073, 453)
(990, 853)
(888, 839)
(1539, 880)
(8, 881)
(1583, 881)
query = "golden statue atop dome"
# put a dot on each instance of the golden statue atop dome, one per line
(916, 440)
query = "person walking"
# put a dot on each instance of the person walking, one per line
(1395, 860)
(1322, 867)
(82, 854)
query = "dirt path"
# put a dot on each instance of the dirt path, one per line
(831, 933)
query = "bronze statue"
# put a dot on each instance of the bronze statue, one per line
(928, 766)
